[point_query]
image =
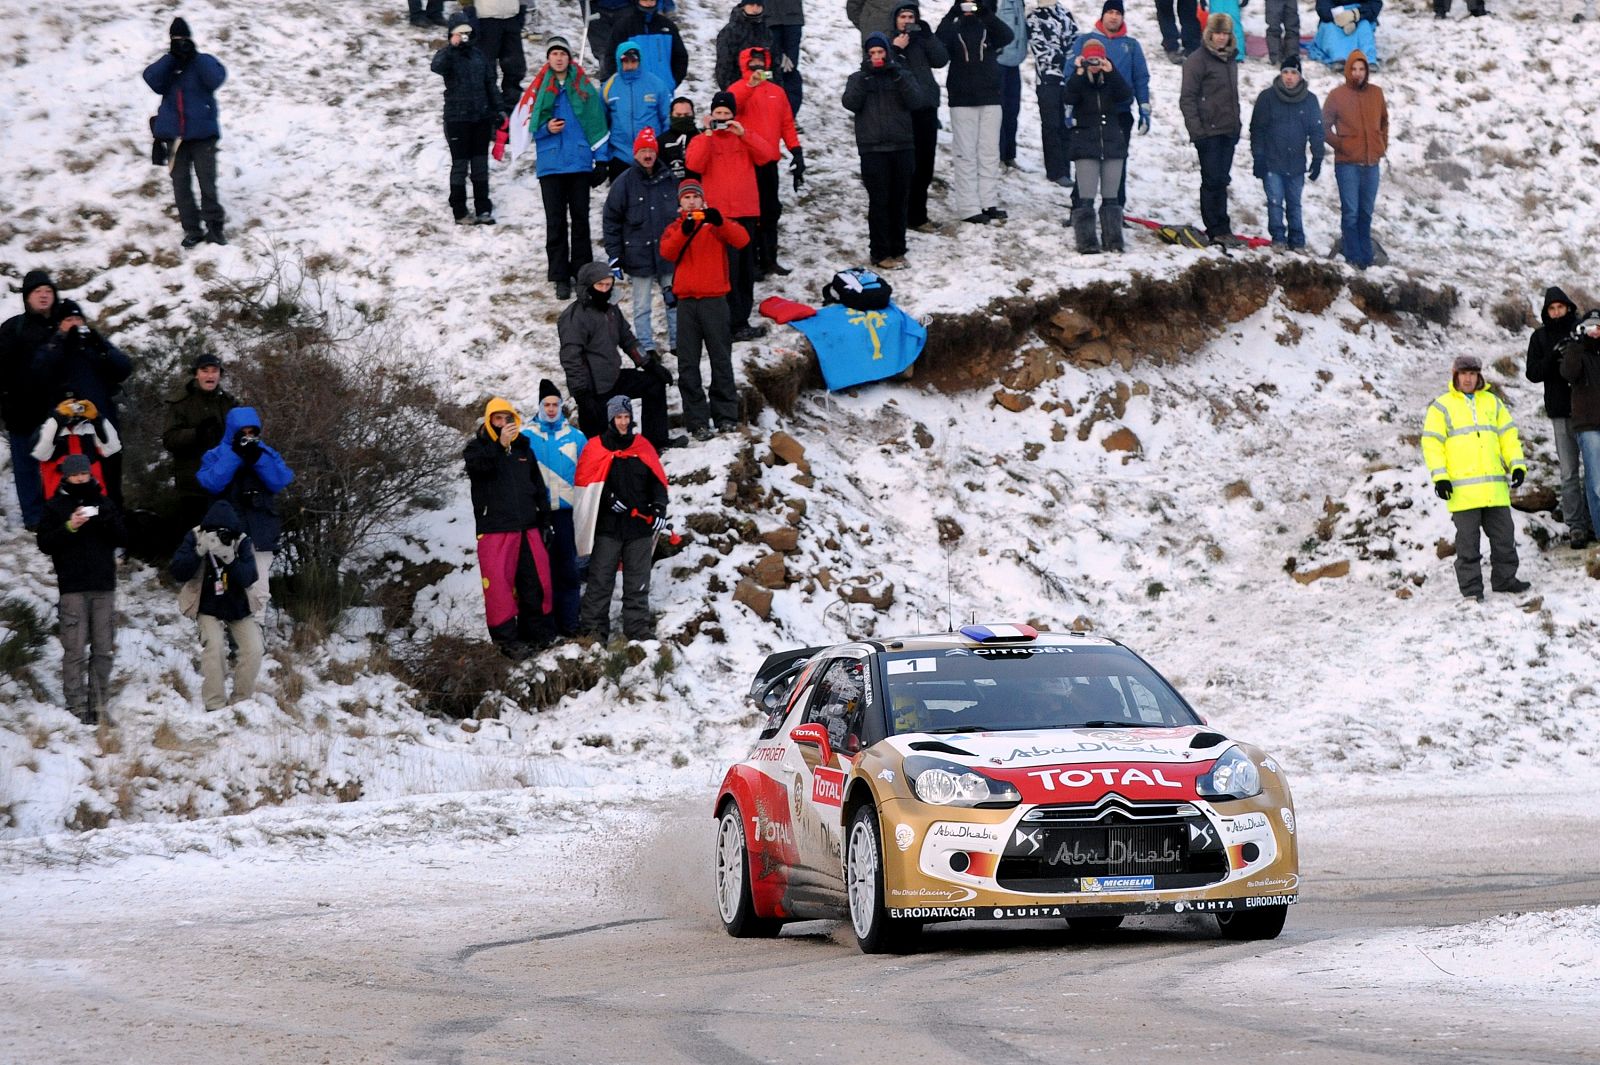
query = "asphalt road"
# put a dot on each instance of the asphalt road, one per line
(394, 957)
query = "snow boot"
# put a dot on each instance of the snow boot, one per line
(1083, 230)
(1111, 226)
(214, 235)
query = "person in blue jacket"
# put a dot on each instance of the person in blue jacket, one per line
(557, 445)
(186, 80)
(1014, 13)
(641, 203)
(568, 123)
(1287, 118)
(635, 100)
(1345, 28)
(248, 475)
(1127, 58)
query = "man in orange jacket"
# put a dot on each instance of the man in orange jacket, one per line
(726, 156)
(701, 241)
(766, 110)
(1355, 121)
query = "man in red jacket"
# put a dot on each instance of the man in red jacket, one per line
(766, 110)
(702, 242)
(726, 156)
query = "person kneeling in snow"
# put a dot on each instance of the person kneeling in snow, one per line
(511, 508)
(217, 564)
(622, 507)
(81, 532)
(1470, 446)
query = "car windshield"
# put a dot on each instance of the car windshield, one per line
(1008, 688)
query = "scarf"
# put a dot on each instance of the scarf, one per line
(1123, 32)
(1288, 95)
(581, 93)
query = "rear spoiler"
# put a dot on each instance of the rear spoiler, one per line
(777, 675)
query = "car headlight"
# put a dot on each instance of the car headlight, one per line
(941, 783)
(1233, 776)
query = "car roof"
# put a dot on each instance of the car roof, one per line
(940, 641)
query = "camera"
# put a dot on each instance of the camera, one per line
(89, 512)
(719, 123)
(969, 8)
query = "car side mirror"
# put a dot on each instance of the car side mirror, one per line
(814, 735)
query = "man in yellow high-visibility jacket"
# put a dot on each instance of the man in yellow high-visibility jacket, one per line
(1470, 446)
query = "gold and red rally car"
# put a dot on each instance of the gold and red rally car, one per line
(995, 773)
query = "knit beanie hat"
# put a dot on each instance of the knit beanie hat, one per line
(619, 405)
(646, 139)
(690, 185)
(35, 279)
(1094, 50)
(74, 464)
(557, 44)
(547, 389)
(179, 28)
(68, 309)
(1112, 5)
(724, 99)
(204, 359)
(1291, 62)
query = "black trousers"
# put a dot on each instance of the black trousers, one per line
(887, 176)
(1180, 31)
(741, 277)
(925, 129)
(1053, 129)
(567, 244)
(435, 7)
(469, 146)
(500, 41)
(705, 323)
(766, 234)
(635, 384)
(1216, 165)
(197, 158)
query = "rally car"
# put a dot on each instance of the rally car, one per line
(996, 773)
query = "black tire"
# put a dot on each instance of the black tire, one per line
(733, 873)
(1095, 926)
(1264, 923)
(876, 932)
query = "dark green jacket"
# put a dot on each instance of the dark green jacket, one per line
(194, 426)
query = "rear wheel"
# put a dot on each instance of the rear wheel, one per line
(1095, 926)
(876, 932)
(1264, 923)
(734, 904)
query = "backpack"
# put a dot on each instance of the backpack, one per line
(857, 289)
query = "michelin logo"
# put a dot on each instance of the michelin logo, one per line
(1116, 883)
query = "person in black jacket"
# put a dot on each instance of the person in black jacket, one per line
(593, 336)
(746, 28)
(1099, 145)
(195, 415)
(81, 531)
(632, 513)
(1558, 318)
(973, 36)
(674, 143)
(217, 564)
(22, 407)
(644, 19)
(472, 112)
(920, 52)
(511, 509)
(78, 363)
(882, 95)
(1580, 367)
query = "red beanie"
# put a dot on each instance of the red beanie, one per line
(646, 139)
(1094, 50)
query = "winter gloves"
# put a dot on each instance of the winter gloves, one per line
(1442, 488)
(1315, 171)
(182, 51)
(220, 544)
(656, 369)
(248, 448)
(786, 65)
(1144, 118)
(619, 507)
(797, 165)
(1346, 18)
(597, 176)
(616, 267)
(658, 525)
(1518, 475)
(711, 216)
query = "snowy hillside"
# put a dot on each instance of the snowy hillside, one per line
(1154, 490)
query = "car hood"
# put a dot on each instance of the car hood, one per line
(1056, 746)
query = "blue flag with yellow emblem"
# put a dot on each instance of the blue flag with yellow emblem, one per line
(855, 347)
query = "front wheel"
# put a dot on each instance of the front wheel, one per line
(734, 904)
(1264, 923)
(876, 932)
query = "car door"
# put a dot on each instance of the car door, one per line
(838, 705)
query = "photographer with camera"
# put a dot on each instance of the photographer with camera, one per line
(194, 426)
(882, 95)
(701, 242)
(186, 124)
(1558, 328)
(726, 157)
(217, 564)
(22, 404)
(81, 531)
(248, 475)
(472, 112)
(1580, 366)
(78, 363)
(973, 36)
(1099, 146)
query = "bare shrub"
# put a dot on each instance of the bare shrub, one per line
(452, 675)
(1512, 314)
